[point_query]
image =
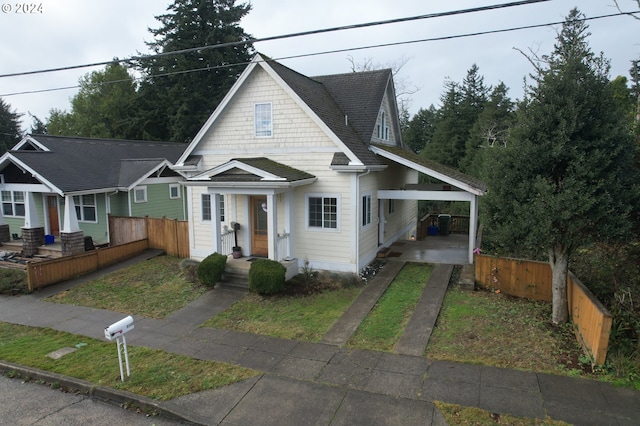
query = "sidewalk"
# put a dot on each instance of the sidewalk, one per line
(327, 384)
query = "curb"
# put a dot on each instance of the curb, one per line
(103, 393)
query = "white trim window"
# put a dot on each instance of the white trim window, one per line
(366, 209)
(263, 120)
(86, 208)
(383, 127)
(205, 207)
(174, 191)
(13, 203)
(140, 194)
(392, 206)
(323, 211)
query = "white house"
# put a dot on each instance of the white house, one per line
(310, 168)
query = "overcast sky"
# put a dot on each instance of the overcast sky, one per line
(72, 32)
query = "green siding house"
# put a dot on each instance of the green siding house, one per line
(98, 176)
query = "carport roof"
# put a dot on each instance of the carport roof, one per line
(431, 168)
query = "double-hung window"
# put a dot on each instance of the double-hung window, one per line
(263, 120)
(86, 207)
(322, 212)
(13, 203)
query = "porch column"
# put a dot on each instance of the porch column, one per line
(216, 232)
(473, 226)
(32, 232)
(289, 222)
(71, 236)
(272, 226)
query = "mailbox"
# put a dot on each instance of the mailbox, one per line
(119, 328)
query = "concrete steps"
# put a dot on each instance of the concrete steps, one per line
(235, 278)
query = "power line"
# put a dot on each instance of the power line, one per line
(279, 37)
(327, 52)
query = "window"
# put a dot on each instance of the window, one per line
(382, 127)
(206, 207)
(323, 212)
(86, 207)
(13, 203)
(140, 194)
(366, 210)
(262, 120)
(221, 198)
(174, 191)
(392, 206)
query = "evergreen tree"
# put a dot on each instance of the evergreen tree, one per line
(10, 133)
(566, 177)
(490, 130)
(180, 91)
(419, 130)
(102, 108)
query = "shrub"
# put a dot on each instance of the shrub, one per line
(211, 269)
(266, 276)
(13, 281)
(189, 268)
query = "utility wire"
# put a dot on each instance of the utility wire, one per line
(350, 49)
(279, 37)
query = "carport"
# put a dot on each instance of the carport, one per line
(454, 186)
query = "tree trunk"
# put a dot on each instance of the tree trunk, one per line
(559, 261)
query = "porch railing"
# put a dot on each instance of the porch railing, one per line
(458, 225)
(282, 243)
(228, 241)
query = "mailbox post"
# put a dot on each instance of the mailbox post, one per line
(118, 330)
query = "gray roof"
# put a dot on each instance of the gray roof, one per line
(75, 164)
(347, 103)
(289, 174)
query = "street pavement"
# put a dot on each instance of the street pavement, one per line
(326, 383)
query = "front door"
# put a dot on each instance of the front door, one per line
(259, 237)
(52, 210)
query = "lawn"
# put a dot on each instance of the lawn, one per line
(155, 374)
(304, 317)
(154, 289)
(483, 327)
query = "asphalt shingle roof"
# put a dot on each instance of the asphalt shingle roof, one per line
(290, 174)
(83, 164)
(347, 103)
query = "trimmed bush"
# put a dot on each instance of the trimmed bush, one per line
(266, 276)
(211, 269)
(13, 281)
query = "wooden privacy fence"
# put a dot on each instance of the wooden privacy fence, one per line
(170, 235)
(526, 278)
(41, 274)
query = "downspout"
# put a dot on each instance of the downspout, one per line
(357, 218)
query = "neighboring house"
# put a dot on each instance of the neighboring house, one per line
(99, 176)
(310, 168)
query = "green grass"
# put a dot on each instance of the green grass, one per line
(457, 415)
(154, 289)
(305, 318)
(155, 374)
(384, 325)
(482, 327)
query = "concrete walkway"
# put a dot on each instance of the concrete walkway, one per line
(305, 383)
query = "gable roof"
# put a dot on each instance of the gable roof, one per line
(73, 164)
(347, 104)
(255, 170)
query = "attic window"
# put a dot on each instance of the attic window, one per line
(382, 127)
(263, 122)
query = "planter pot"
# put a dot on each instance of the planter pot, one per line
(237, 252)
